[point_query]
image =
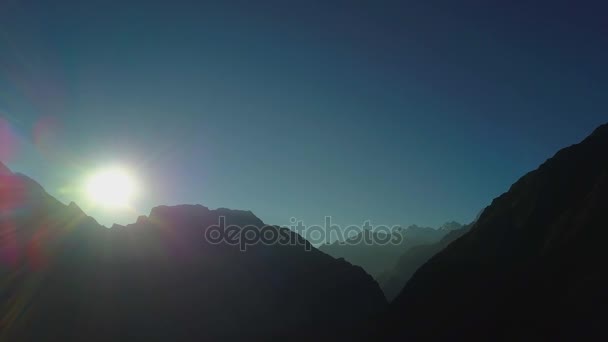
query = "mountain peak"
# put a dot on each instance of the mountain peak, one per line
(142, 219)
(197, 212)
(452, 225)
(164, 213)
(602, 130)
(75, 207)
(163, 210)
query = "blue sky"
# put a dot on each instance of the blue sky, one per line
(396, 112)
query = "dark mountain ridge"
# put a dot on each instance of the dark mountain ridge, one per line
(64, 277)
(532, 267)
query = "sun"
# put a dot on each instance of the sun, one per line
(112, 187)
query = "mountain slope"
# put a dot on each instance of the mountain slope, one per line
(532, 267)
(63, 277)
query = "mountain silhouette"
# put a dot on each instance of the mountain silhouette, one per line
(64, 277)
(533, 266)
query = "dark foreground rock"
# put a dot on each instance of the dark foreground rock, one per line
(63, 277)
(533, 267)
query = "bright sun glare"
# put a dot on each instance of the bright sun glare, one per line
(112, 187)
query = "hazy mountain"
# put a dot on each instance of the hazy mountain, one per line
(367, 250)
(532, 267)
(363, 250)
(449, 226)
(415, 235)
(392, 280)
(63, 277)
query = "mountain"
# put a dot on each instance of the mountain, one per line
(417, 235)
(533, 267)
(394, 279)
(368, 250)
(64, 277)
(450, 226)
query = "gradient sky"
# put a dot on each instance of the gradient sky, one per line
(399, 112)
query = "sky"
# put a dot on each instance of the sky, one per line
(398, 112)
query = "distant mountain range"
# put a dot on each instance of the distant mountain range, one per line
(379, 258)
(63, 277)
